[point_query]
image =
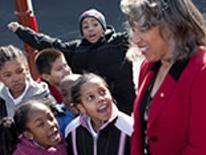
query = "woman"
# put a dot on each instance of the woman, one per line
(170, 108)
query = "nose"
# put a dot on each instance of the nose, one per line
(91, 28)
(50, 124)
(100, 98)
(15, 78)
(67, 70)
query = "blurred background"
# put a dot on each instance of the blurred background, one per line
(60, 18)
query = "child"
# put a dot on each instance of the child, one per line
(52, 67)
(102, 129)
(65, 86)
(18, 84)
(101, 51)
(61, 113)
(34, 131)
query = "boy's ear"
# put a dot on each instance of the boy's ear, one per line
(28, 135)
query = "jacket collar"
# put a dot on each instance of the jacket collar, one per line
(176, 69)
(84, 119)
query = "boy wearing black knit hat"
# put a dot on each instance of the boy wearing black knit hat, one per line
(92, 25)
(101, 50)
(94, 14)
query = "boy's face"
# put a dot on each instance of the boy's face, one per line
(13, 74)
(42, 127)
(92, 29)
(97, 101)
(59, 70)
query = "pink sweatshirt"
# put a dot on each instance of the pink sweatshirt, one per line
(27, 147)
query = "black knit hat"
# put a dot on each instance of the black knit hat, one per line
(95, 14)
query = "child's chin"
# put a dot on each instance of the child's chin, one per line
(106, 117)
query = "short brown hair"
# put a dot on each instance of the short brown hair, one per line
(45, 58)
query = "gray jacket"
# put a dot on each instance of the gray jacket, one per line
(35, 90)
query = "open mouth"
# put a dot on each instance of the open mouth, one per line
(55, 136)
(92, 36)
(102, 108)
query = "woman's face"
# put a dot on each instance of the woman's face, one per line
(152, 45)
(92, 29)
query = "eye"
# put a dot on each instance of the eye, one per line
(51, 117)
(6, 75)
(65, 66)
(20, 70)
(59, 68)
(102, 92)
(144, 28)
(90, 98)
(95, 24)
(40, 124)
(85, 27)
(141, 27)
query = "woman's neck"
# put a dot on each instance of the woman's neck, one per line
(161, 75)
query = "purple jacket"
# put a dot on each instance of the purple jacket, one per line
(27, 147)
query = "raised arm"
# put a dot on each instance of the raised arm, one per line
(38, 40)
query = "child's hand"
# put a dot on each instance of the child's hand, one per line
(13, 26)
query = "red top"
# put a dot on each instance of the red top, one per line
(176, 120)
(54, 91)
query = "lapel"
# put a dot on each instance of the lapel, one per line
(161, 99)
(145, 84)
(149, 73)
(166, 90)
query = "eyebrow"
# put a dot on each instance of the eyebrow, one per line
(38, 120)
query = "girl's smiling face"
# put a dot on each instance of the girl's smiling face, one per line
(42, 126)
(97, 101)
